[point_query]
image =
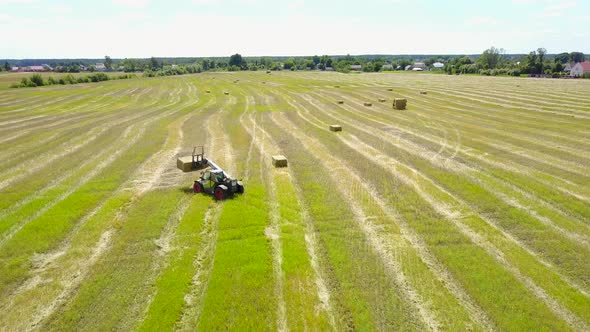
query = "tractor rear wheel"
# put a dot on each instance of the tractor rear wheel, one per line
(240, 189)
(219, 194)
(197, 188)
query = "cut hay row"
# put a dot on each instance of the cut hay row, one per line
(65, 250)
(477, 315)
(566, 316)
(474, 159)
(377, 243)
(413, 149)
(302, 293)
(75, 193)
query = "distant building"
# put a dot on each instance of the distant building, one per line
(580, 68)
(356, 67)
(100, 67)
(329, 68)
(568, 67)
(36, 68)
(420, 65)
(417, 69)
(438, 65)
(408, 67)
(387, 66)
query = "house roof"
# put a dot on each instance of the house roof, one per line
(585, 65)
(438, 64)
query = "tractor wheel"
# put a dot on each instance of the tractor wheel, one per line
(240, 189)
(197, 188)
(219, 194)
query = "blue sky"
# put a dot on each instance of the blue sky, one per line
(192, 28)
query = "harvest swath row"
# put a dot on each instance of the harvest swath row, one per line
(468, 210)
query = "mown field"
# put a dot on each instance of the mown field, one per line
(470, 210)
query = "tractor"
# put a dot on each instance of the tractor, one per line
(213, 180)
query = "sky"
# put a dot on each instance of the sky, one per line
(201, 28)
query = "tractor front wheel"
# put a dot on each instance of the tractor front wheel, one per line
(197, 188)
(219, 194)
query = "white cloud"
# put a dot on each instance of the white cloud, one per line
(132, 3)
(482, 20)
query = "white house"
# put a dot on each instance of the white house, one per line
(568, 67)
(356, 67)
(100, 66)
(387, 66)
(438, 65)
(420, 65)
(580, 68)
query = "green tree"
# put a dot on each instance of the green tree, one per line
(491, 58)
(530, 63)
(577, 57)
(37, 79)
(288, 64)
(108, 62)
(541, 56)
(154, 64)
(237, 61)
(7, 66)
(562, 58)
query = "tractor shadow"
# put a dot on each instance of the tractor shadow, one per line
(190, 191)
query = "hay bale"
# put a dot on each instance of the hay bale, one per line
(263, 82)
(390, 89)
(335, 128)
(340, 101)
(226, 92)
(279, 161)
(423, 92)
(268, 71)
(208, 91)
(368, 104)
(399, 103)
(185, 164)
(381, 100)
(336, 86)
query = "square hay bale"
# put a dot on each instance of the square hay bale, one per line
(340, 101)
(279, 161)
(390, 89)
(399, 103)
(368, 104)
(335, 128)
(381, 100)
(226, 92)
(423, 92)
(185, 163)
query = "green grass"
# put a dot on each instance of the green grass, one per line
(482, 183)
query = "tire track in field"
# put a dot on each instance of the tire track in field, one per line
(431, 156)
(17, 205)
(476, 314)
(195, 298)
(453, 166)
(261, 138)
(454, 214)
(110, 118)
(82, 265)
(575, 152)
(273, 231)
(106, 162)
(338, 171)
